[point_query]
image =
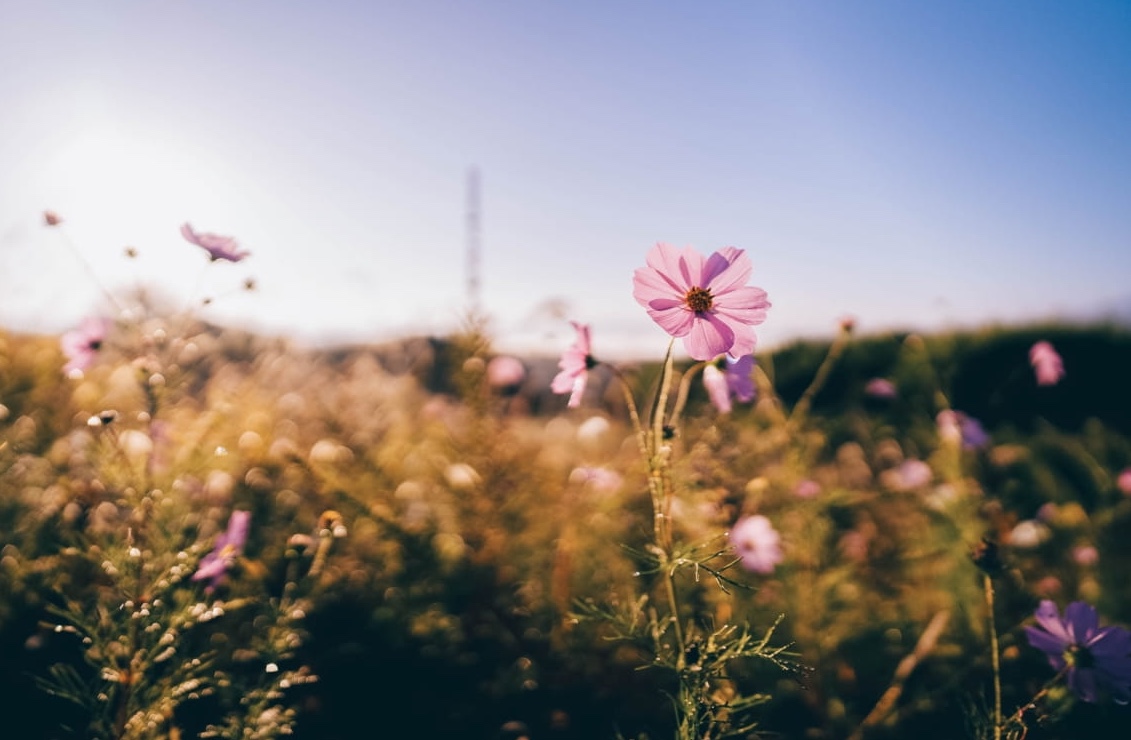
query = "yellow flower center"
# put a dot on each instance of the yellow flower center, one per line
(699, 300)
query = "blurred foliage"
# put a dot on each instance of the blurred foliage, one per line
(447, 608)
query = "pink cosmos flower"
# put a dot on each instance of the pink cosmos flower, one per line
(704, 301)
(81, 345)
(218, 247)
(757, 543)
(1046, 363)
(575, 365)
(228, 547)
(1097, 660)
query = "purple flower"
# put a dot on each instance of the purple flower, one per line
(228, 547)
(1097, 661)
(1046, 363)
(218, 247)
(963, 429)
(81, 345)
(757, 543)
(575, 365)
(704, 301)
(733, 381)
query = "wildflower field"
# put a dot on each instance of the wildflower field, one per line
(208, 533)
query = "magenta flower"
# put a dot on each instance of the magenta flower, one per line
(575, 365)
(732, 382)
(1097, 661)
(229, 546)
(758, 544)
(218, 247)
(1046, 363)
(81, 345)
(706, 302)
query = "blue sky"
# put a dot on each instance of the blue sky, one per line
(917, 165)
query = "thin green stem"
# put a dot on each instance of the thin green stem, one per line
(995, 657)
(836, 349)
(684, 392)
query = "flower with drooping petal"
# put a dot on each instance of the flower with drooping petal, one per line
(229, 546)
(1097, 660)
(704, 301)
(716, 384)
(731, 382)
(218, 247)
(81, 345)
(575, 365)
(1046, 363)
(758, 543)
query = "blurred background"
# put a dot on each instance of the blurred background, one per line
(917, 165)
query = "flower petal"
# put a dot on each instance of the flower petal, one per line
(1046, 643)
(1082, 619)
(1048, 616)
(726, 270)
(675, 320)
(709, 337)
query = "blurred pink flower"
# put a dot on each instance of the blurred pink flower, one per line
(218, 247)
(880, 388)
(1046, 363)
(908, 475)
(575, 365)
(81, 345)
(757, 543)
(51, 218)
(229, 546)
(505, 371)
(706, 302)
(1124, 482)
(807, 488)
(601, 480)
(1085, 555)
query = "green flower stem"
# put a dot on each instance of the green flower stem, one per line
(836, 349)
(995, 657)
